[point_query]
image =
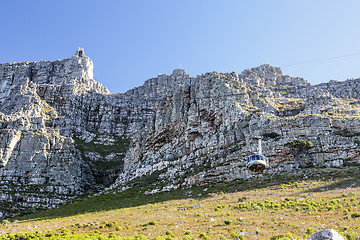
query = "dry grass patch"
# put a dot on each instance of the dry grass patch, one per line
(272, 211)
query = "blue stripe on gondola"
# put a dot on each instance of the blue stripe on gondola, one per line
(256, 157)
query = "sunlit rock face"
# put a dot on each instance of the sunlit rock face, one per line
(39, 161)
(63, 134)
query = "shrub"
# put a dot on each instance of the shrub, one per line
(160, 238)
(330, 208)
(169, 233)
(187, 238)
(152, 223)
(110, 225)
(352, 236)
(49, 234)
(234, 235)
(309, 231)
(187, 232)
(240, 237)
(300, 144)
(228, 222)
(286, 236)
(203, 235)
(355, 215)
(5, 221)
(243, 199)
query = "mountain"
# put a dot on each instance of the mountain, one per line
(63, 134)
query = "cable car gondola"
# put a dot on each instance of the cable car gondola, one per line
(257, 162)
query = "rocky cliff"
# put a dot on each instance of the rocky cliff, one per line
(62, 133)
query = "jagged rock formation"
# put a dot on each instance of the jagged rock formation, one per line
(62, 132)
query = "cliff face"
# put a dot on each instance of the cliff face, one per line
(40, 166)
(61, 131)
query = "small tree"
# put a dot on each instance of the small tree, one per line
(299, 147)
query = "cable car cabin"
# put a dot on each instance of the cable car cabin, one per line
(257, 163)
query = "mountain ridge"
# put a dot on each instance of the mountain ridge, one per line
(62, 132)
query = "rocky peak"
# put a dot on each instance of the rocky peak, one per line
(179, 72)
(270, 76)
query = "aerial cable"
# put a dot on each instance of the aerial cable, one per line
(321, 59)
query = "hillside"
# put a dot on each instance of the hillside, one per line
(272, 207)
(63, 135)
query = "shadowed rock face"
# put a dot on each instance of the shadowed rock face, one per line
(61, 131)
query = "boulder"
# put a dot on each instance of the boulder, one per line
(327, 234)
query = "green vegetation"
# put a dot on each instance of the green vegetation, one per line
(299, 145)
(228, 222)
(100, 164)
(278, 207)
(120, 145)
(297, 148)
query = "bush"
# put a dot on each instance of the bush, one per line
(355, 215)
(159, 238)
(49, 234)
(299, 144)
(5, 221)
(228, 222)
(169, 233)
(152, 223)
(286, 236)
(187, 238)
(110, 225)
(187, 232)
(203, 235)
(352, 236)
(243, 199)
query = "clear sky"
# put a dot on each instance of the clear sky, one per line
(133, 40)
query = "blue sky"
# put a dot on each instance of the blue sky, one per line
(131, 41)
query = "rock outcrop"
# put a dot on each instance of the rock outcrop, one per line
(62, 132)
(328, 234)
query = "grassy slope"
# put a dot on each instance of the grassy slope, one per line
(259, 209)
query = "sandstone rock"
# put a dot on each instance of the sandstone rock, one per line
(326, 234)
(62, 132)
